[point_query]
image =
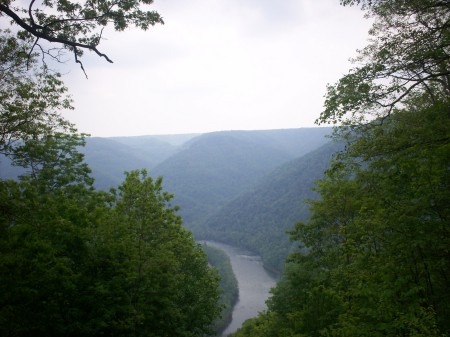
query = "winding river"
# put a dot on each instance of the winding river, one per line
(254, 284)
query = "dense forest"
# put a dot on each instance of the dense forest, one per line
(369, 250)
(373, 258)
(259, 218)
(76, 261)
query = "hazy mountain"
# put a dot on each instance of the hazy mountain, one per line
(242, 187)
(212, 169)
(259, 218)
(110, 157)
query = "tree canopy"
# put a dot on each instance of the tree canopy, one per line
(31, 97)
(75, 261)
(408, 53)
(373, 258)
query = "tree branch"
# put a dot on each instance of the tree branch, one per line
(32, 29)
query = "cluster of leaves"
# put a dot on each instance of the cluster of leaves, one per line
(374, 256)
(75, 261)
(31, 96)
(409, 51)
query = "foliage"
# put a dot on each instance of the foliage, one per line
(31, 97)
(259, 218)
(78, 262)
(409, 52)
(74, 25)
(373, 257)
(374, 254)
(75, 261)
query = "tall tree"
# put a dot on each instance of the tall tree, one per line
(374, 257)
(172, 291)
(77, 262)
(74, 261)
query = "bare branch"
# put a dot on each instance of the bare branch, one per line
(79, 62)
(30, 52)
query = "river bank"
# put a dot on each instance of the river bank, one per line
(254, 283)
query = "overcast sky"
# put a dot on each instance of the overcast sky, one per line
(217, 65)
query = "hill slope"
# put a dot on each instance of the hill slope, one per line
(258, 219)
(212, 169)
(110, 157)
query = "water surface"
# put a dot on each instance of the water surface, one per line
(254, 284)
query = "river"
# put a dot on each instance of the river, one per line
(254, 284)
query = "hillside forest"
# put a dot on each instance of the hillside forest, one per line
(373, 257)
(75, 260)
(352, 216)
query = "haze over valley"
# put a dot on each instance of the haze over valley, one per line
(244, 188)
(274, 228)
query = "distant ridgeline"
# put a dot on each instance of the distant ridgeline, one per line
(245, 188)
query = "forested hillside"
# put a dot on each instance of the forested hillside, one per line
(258, 219)
(212, 169)
(109, 159)
(76, 261)
(240, 187)
(374, 257)
(369, 252)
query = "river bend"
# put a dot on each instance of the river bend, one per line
(254, 283)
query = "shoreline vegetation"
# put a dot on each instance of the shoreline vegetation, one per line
(218, 259)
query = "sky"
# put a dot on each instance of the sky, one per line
(217, 65)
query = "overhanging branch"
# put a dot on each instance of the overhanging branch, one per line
(34, 30)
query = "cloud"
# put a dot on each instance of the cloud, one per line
(216, 65)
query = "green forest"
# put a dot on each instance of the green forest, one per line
(76, 261)
(374, 257)
(369, 250)
(258, 219)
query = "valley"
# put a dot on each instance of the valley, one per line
(244, 188)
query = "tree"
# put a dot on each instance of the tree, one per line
(74, 261)
(375, 248)
(73, 25)
(77, 262)
(409, 52)
(373, 257)
(31, 97)
(172, 291)
(45, 230)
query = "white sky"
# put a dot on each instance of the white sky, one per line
(217, 65)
